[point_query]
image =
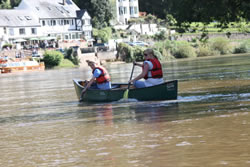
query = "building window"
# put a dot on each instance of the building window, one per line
(22, 31)
(43, 22)
(66, 22)
(20, 18)
(136, 10)
(120, 10)
(33, 31)
(131, 10)
(4, 30)
(11, 32)
(77, 36)
(125, 10)
(27, 17)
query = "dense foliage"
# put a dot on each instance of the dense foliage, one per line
(103, 34)
(99, 10)
(52, 58)
(8, 4)
(224, 11)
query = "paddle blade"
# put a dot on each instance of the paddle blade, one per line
(125, 95)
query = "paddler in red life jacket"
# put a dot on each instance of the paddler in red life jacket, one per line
(100, 78)
(151, 71)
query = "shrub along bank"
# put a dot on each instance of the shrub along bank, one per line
(58, 59)
(168, 50)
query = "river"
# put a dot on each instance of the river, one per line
(42, 124)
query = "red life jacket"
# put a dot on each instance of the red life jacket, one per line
(156, 71)
(104, 77)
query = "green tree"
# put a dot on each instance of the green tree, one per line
(14, 3)
(99, 10)
(102, 34)
(223, 11)
(5, 4)
(9, 4)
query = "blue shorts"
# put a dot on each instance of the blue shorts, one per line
(103, 86)
(139, 84)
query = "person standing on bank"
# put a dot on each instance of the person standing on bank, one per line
(151, 71)
(99, 80)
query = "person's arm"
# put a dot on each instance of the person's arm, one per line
(143, 73)
(88, 85)
(137, 64)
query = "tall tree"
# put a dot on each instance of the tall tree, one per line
(99, 10)
(199, 10)
(5, 4)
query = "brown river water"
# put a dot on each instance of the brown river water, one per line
(42, 124)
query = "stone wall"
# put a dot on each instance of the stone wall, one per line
(232, 36)
(99, 57)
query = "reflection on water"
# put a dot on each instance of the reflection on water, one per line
(42, 123)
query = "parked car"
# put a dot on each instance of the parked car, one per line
(138, 43)
(101, 46)
(35, 55)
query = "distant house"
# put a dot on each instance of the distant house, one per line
(126, 9)
(17, 25)
(54, 19)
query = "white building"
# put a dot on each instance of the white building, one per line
(58, 19)
(126, 9)
(17, 25)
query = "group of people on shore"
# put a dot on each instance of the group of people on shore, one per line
(151, 72)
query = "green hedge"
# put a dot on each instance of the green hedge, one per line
(222, 45)
(52, 58)
(184, 51)
(243, 47)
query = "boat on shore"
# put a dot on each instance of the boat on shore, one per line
(165, 91)
(19, 66)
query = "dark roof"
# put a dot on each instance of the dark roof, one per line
(80, 13)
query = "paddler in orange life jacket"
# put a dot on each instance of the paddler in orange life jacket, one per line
(100, 78)
(151, 71)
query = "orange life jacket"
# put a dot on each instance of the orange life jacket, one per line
(156, 71)
(104, 77)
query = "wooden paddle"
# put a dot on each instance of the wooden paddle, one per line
(125, 95)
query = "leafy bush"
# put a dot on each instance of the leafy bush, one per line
(222, 45)
(52, 58)
(185, 51)
(163, 50)
(72, 56)
(125, 52)
(103, 34)
(205, 51)
(138, 53)
(242, 48)
(160, 36)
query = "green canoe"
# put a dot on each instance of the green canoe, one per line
(165, 91)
